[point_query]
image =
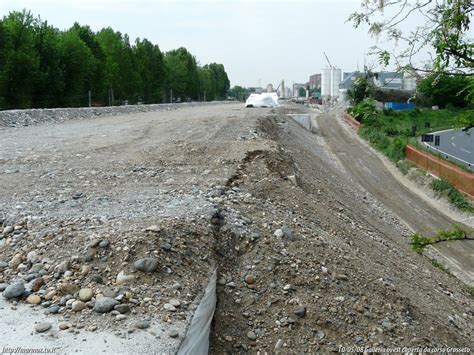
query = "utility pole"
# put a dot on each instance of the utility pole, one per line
(90, 102)
(204, 95)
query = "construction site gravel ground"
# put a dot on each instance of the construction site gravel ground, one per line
(307, 259)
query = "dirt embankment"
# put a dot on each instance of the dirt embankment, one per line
(323, 265)
(306, 260)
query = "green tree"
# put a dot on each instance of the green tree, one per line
(121, 75)
(221, 80)
(445, 27)
(151, 70)
(49, 84)
(238, 92)
(359, 91)
(207, 82)
(182, 74)
(443, 90)
(95, 80)
(20, 60)
(77, 65)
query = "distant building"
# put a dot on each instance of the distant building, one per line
(269, 87)
(388, 80)
(349, 79)
(382, 80)
(315, 81)
(409, 82)
(296, 89)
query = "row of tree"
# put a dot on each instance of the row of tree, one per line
(41, 66)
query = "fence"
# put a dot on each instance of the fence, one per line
(461, 179)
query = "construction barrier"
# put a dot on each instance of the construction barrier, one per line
(351, 121)
(461, 179)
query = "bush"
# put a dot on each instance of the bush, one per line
(444, 90)
(364, 111)
(419, 242)
(454, 196)
(404, 166)
(360, 90)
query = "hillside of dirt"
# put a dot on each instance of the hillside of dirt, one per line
(116, 223)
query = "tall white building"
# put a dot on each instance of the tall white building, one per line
(330, 80)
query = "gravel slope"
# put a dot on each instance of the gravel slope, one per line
(307, 261)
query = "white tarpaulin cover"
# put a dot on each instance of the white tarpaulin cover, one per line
(262, 100)
(196, 341)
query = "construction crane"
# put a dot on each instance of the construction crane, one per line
(330, 65)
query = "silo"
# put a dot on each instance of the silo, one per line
(335, 81)
(326, 82)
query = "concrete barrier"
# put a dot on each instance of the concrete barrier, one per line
(304, 119)
(461, 179)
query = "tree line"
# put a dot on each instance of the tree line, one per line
(42, 66)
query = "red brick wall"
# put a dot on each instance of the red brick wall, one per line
(461, 179)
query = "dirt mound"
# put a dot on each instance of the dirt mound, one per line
(320, 266)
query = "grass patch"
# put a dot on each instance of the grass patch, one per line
(470, 290)
(440, 266)
(390, 131)
(419, 242)
(404, 166)
(454, 196)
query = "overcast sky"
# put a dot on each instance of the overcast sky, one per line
(255, 40)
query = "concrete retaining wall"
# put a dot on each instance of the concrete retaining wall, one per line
(303, 119)
(19, 118)
(461, 179)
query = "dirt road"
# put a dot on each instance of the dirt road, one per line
(367, 169)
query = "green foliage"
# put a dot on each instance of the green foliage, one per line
(364, 111)
(239, 92)
(446, 28)
(214, 82)
(360, 90)
(440, 266)
(466, 118)
(387, 95)
(419, 242)
(470, 291)
(453, 195)
(390, 131)
(182, 75)
(444, 90)
(41, 66)
(21, 64)
(404, 166)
